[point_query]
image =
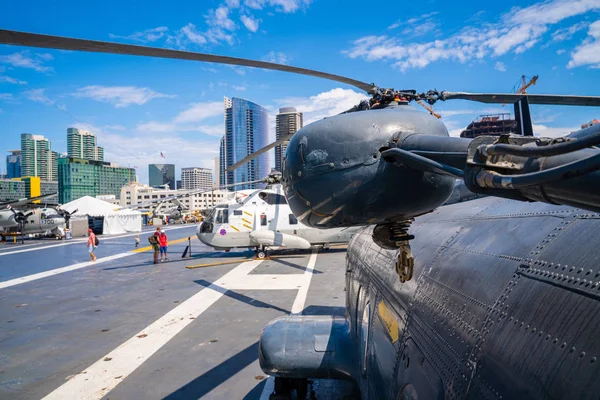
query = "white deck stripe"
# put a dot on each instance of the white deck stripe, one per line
(103, 376)
(80, 240)
(297, 308)
(303, 291)
(56, 271)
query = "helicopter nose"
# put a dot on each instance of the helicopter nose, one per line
(334, 174)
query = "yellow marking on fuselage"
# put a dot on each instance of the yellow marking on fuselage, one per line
(148, 248)
(389, 321)
(233, 227)
(246, 221)
(247, 213)
(246, 226)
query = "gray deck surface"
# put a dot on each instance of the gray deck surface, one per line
(54, 328)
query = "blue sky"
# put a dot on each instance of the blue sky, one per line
(139, 107)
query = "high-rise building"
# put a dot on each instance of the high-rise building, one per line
(217, 180)
(37, 157)
(13, 164)
(246, 130)
(78, 177)
(194, 178)
(222, 181)
(288, 121)
(162, 174)
(82, 144)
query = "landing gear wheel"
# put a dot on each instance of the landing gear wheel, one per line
(261, 254)
(283, 389)
(301, 388)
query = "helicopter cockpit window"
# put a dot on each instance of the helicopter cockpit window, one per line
(43, 215)
(293, 219)
(225, 216)
(272, 198)
(211, 216)
(222, 216)
(263, 220)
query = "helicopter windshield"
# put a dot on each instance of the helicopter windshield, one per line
(222, 216)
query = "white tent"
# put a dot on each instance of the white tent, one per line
(116, 219)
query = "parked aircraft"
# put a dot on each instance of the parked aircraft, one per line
(261, 219)
(23, 217)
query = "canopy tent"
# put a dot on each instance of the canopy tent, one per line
(116, 219)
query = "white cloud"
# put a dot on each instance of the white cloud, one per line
(325, 104)
(545, 131)
(39, 96)
(560, 51)
(5, 96)
(276, 57)
(149, 35)
(24, 59)
(191, 33)
(119, 96)
(250, 23)
(517, 31)
(416, 26)
(499, 66)
(200, 111)
(286, 6)
(238, 88)
(8, 79)
(567, 33)
(588, 53)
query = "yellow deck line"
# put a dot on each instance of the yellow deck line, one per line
(148, 248)
(246, 226)
(232, 261)
(247, 213)
(246, 221)
(233, 227)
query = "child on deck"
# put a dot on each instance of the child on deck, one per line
(164, 243)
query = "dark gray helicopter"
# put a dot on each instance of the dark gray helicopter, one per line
(494, 298)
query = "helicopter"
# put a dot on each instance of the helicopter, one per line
(492, 298)
(261, 219)
(26, 220)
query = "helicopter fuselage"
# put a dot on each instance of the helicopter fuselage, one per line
(263, 219)
(503, 304)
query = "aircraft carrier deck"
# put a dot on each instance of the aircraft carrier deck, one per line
(124, 328)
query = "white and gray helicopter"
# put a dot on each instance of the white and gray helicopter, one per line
(261, 219)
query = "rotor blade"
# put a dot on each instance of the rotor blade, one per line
(188, 194)
(57, 42)
(257, 153)
(20, 202)
(499, 98)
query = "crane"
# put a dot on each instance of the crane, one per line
(525, 85)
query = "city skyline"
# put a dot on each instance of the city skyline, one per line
(139, 106)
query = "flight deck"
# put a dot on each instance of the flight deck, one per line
(123, 327)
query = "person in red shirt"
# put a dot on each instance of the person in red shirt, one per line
(156, 244)
(164, 243)
(91, 244)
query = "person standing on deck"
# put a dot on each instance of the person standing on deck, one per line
(91, 244)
